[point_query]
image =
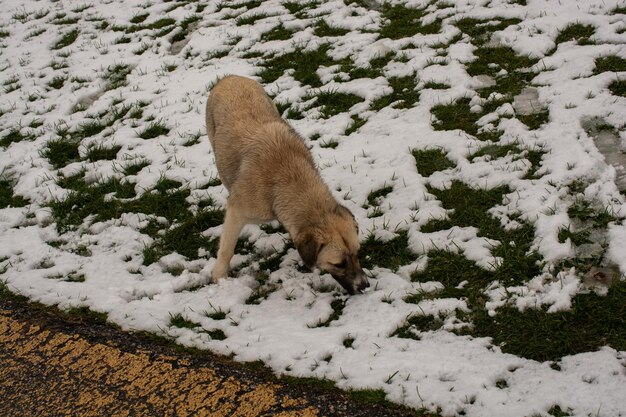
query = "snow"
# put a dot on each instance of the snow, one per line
(441, 370)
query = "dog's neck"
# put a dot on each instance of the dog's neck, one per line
(298, 203)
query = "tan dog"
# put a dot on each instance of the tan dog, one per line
(270, 174)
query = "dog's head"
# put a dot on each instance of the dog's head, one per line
(333, 245)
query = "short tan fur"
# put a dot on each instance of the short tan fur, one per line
(270, 174)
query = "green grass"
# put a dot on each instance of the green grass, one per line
(470, 208)
(277, 33)
(456, 115)
(135, 167)
(115, 76)
(405, 22)
(57, 82)
(101, 152)
(153, 130)
(179, 321)
(8, 198)
(373, 69)
(391, 254)
(66, 40)
(357, 123)
(62, 151)
(337, 306)
(577, 238)
(536, 120)
(618, 88)
(374, 198)
(299, 9)
(593, 321)
(251, 19)
(186, 238)
(15, 135)
(185, 26)
(331, 103)
(576, 32)
(404, 95)
(301, 62)
(495, 151)
(139, 18)
(429, 161)
(417, 323)
(491, 60)
(322, 29)
(480, 30)
(435, 85)
(611, 63)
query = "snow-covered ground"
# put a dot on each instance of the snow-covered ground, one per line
(100, 264)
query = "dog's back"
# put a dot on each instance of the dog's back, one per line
(238, 111)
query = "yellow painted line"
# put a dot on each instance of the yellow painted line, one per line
(44, 372)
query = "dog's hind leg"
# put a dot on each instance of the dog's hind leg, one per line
(234, 221)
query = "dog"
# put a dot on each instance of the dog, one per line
(270, 174)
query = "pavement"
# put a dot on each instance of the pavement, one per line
(54, 364)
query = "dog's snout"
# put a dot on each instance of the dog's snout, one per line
(360, 283)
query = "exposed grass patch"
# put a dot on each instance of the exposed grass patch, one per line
(277, 33)
(337, 305)
(153, 130)
(417, 323)
(186, 238)
(403, 22)
(536, 120)
(323, 29)
(481, 30)
(115, 76)
(404, 94)
(185, 26)
(332, 144)
(435, 85)
(456, 115)
(101, 152)
(618, 88)
(470, 209)
(430, 161)
(491, 60)
(15, 135)
(57, 82)
(576, 32)
(331, 103)
(135, 167)
(251, 19)
(299, 10)
(66, 40)
(179, 321)
(89, 200)
(495, 151)
(391, 254)
(577, 238)
(301, 62)
(372, 70)
(8, 198)
(62, 151)
(357, 123)
(374, 198)
(592, 322)
(611, 63)
(139, 18)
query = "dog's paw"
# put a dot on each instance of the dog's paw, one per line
(219, 272)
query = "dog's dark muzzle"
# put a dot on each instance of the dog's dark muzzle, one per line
(353, 283)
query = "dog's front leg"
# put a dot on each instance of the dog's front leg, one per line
(234, 221)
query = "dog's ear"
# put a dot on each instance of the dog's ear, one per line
(308, 247)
